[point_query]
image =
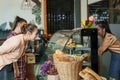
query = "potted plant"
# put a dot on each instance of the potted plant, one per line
(48, 69)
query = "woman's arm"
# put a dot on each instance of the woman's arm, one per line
(9, 51)
(109, 40)
(6, 59)
(9, 45)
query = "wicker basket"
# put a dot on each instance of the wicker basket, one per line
(68, 70)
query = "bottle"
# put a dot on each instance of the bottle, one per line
(36, 44)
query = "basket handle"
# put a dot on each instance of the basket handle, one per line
(83, 56)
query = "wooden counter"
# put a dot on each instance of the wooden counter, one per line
(32, 66)
(30, 61)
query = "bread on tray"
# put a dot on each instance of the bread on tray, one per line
(89, 74)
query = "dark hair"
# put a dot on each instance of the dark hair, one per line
(104, 25)
(17, 20)
(30, 27)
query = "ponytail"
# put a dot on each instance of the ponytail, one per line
(16, 21)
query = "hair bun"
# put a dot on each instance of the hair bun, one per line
(17, 17)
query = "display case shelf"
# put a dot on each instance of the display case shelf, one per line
(82, 49)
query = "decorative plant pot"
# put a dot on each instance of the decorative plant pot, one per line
(41, 77)
(53, 77)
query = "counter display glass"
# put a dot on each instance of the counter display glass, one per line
(76, 42)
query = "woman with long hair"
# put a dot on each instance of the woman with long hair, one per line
(18, 25)
(111, 43)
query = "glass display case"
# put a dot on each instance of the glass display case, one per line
(76, 42)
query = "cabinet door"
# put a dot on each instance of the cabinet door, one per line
(30, 71)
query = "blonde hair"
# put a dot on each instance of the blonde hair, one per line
(30, 27)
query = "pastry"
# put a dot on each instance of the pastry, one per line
(86, 76)
(87, 69)
(89, 74)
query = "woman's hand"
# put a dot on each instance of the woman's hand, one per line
(100, 51)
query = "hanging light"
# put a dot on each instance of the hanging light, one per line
(26, 4)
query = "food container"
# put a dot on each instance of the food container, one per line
(68, 70)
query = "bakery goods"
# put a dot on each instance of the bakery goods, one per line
(89, 70)
(89, 74)
(62, 56)
(64, 41)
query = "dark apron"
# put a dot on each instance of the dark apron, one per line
(7, 73)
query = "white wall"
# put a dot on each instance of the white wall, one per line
(84, 9)
(84, 4)
(10, 8)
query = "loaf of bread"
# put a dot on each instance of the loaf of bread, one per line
(64, 41)
(61, 56)
(59, 52)
(89, 74)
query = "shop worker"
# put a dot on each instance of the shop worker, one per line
(13, 48)
(111, 43)
(18, 24)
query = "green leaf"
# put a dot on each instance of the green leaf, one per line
(38, 19)
(36, 10)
